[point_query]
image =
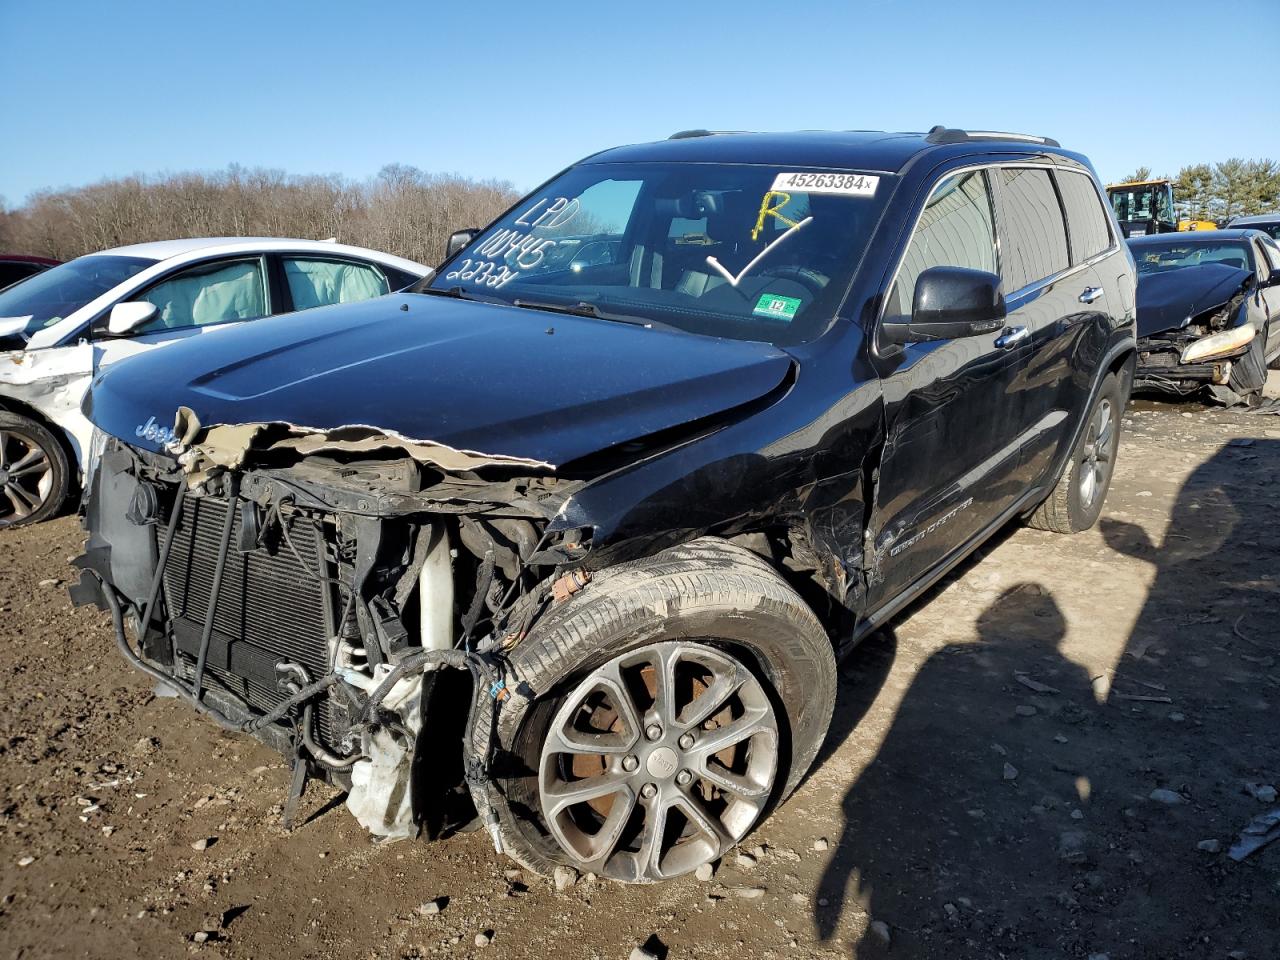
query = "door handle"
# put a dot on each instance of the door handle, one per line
(1091, 294)
(1011, 337)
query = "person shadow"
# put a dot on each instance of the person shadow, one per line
(982, 772)
(1023, 806)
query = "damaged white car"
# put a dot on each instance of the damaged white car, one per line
(57, 329)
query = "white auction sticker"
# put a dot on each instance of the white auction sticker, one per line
(848, 184)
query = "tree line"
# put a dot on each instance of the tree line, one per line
(402, 210)
(1220, 191)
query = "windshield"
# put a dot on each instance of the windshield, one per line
(1175, 255)
(48, 297)
(742, 251)
(1145, 202)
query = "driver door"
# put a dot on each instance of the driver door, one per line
(193, 302)
(953, 411)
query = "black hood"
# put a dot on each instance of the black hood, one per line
(479, 377)
(1167, 300)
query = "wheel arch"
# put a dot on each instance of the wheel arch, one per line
(10, 405)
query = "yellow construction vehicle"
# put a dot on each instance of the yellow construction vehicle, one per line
(1146, 206)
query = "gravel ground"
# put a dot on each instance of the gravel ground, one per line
(1047, 757)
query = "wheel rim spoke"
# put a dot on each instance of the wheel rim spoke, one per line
(33, 457)
(706, 823)
(21, 501)
(606, 840)
(733, 733)
(662, 661)
(733, 783)
(655, 827)
(582, 791)
(712, 699)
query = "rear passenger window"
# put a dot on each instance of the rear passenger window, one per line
(1086, 219)
(319, 283)
(955, 230)
(1033, 240)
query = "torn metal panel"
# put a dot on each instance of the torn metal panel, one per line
(204, 451)
(52, 383)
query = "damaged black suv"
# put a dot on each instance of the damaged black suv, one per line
(569, 537)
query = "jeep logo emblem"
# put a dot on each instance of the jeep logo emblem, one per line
(662, 762)
(154, 432)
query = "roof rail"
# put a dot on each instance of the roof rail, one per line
(941, 134)
(690, 134)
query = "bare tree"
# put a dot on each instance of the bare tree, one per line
(402, 210)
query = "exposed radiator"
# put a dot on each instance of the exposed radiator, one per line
(271, 608)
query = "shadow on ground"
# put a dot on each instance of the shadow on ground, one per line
(1010, 811)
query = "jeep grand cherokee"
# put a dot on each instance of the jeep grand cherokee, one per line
(570, 538)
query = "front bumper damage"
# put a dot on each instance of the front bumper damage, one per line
(1160, 368)
(346, 599)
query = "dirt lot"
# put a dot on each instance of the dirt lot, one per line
(987, 790)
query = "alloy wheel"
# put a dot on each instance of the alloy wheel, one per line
(658, 761)
(26, 476)
(1099, 449)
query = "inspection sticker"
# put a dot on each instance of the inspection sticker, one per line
(848, 184)
(775, 307)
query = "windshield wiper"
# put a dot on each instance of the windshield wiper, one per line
(584, 309)
(457, 293)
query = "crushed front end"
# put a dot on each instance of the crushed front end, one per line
(1200, 353)
(335, 597)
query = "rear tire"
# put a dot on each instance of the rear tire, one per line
(35, 477)
(1076, 501)
(707, 614)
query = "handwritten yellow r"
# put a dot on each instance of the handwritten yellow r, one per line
(768, 211)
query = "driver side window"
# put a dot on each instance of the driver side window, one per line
(956, 229)
(206, 295)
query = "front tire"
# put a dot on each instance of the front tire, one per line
(34, 474)
(612, 761)
(1249, 373)
(1076, 501)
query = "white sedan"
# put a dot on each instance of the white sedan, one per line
(58, 328)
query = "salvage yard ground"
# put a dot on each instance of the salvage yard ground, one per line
(1048, 758)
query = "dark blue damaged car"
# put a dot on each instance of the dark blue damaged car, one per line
(1208, 313)
(567, 538)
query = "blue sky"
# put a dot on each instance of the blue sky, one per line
(517, 90)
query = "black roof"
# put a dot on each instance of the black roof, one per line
(1196, 236)
(871, 150)
(1267, 218)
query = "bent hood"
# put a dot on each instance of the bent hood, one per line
(495, 380)
(1167, 300)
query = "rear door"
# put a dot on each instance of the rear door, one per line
(1057, 299)
(953, 409)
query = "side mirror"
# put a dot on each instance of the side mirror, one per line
(127, 317)
(949, 303)
(459, 239)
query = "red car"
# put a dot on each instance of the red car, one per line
(15, 267)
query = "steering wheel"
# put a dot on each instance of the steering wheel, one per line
(811, 280)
